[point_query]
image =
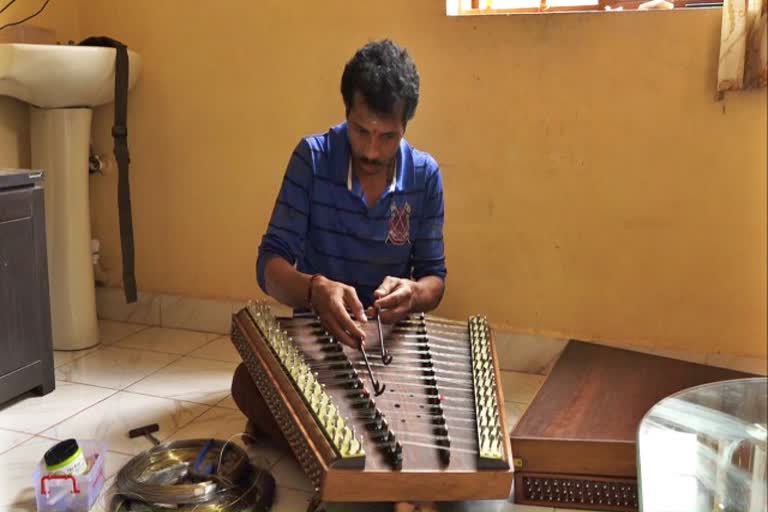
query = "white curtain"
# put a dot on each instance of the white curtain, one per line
(743, 45)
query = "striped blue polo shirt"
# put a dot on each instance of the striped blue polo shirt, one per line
(322, 224)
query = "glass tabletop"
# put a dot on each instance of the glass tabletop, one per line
(704, 449)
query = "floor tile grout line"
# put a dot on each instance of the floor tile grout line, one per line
(218, 334)
(143, 328)
(228, 396)
(86, 352)
(211, 359)
(218, 338)
(132, 392)
(98, 349)
(230, 410)
(31, 436)
(115, 389)
(162, 323)
(121, 452)
(153, 372)
(87, 384)
(6, 429)
(17, 444)
(60, 380)
(41, 433)
(184, 354)
(158, 370)
(187, 423)
(116, 343)
(156, 351)
(114, 392)
(127, 390)
(159, 326)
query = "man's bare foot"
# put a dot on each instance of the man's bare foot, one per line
(253, 434)
(421, 506)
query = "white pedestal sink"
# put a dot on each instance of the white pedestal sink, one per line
(62, 83)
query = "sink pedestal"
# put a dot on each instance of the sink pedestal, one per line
(59, 141)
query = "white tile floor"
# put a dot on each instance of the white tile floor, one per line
(176, 378)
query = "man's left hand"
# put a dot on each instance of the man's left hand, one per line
(395, 298)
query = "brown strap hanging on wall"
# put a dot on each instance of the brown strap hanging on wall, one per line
(120, 135)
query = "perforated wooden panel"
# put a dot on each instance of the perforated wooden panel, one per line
(588, 493)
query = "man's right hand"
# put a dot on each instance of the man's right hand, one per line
(331, 300)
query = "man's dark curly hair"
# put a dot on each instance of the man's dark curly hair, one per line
(384, 74)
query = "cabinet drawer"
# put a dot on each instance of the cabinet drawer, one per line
(16, 204)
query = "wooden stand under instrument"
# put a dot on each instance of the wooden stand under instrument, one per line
(575, 446)
(336, 478)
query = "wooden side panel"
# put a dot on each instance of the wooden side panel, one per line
(565, 456)
(574, 492)
(309, 445)
(500, 397)
(417, 486)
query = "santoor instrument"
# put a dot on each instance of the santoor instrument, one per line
(416, 416)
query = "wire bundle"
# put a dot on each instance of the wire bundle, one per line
(201, 475)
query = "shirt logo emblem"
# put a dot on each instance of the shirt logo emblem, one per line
(399, 224)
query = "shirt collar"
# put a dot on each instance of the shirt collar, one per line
(391, 185)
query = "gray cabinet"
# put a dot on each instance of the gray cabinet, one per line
(26, 351)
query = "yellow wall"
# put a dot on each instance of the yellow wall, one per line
(594, 187)
(14, 133)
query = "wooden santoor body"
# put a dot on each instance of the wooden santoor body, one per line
(424, 476)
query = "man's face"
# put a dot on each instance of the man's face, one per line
(374, 137)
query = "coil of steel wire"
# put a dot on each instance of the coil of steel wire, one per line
(201, 475)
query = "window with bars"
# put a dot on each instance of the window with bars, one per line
(480, 7)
